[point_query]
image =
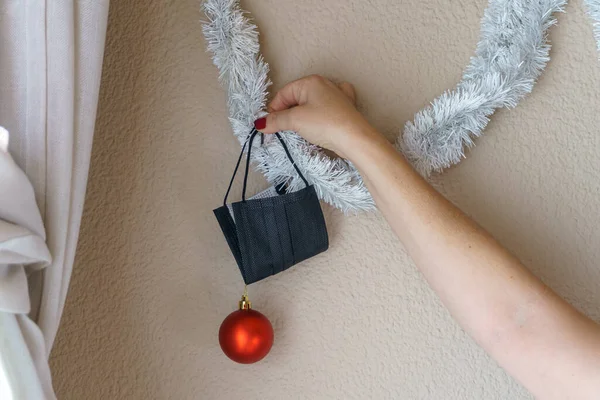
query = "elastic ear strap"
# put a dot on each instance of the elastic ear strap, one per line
(234, 173)
(252, 136)
(291, 159)
(248, 142)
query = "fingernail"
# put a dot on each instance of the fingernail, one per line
(260, 123)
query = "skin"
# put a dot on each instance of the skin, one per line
(536, 336)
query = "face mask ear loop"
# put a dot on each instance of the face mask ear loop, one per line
(237, 165)
(249, 142)
(252, 136)
(287, 152)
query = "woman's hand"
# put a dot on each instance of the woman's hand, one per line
(320, 111)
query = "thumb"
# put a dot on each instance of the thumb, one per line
(284, 120)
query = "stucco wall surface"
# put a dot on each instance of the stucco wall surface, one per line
(154, 277)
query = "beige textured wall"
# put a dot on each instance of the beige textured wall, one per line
(154, 278)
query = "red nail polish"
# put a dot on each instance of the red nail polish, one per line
(260, 123)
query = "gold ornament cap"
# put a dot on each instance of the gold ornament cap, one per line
(245, 303)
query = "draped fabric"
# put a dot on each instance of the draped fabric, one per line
(50, 65)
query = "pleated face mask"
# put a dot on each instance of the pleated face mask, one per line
(274, 230)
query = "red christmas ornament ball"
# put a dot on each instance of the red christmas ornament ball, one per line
(246, 336)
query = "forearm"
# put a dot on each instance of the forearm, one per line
(508, 311)
(457, 257)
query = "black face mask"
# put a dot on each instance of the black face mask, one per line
(269, 235)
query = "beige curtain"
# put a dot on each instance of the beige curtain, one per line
(50, 65)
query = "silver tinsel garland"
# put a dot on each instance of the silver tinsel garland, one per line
(593, 8)
(512, 53)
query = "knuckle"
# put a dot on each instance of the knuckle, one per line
(315, 79)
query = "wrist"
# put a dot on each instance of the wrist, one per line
(358, 139)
